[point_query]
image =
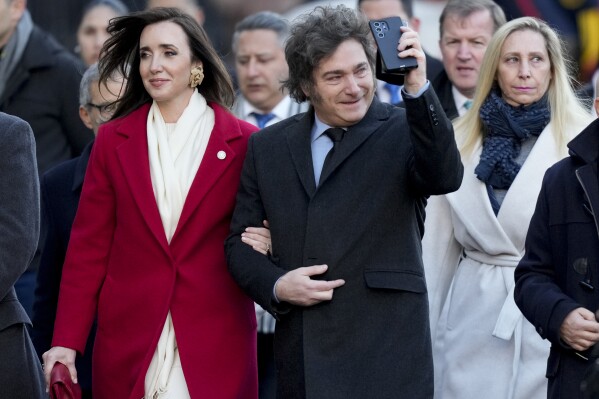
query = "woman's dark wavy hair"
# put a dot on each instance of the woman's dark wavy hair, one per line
(120, 55)
(315, 37)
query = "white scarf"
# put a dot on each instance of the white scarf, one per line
(175, 158)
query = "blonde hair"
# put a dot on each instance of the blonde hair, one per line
(565, 106)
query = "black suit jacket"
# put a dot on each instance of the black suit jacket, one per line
(559, 271)
(442, 86)
(60, 190)
(365, 222)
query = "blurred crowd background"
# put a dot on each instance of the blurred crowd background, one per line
(576, 20)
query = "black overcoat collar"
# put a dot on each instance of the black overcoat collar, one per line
(298, 139)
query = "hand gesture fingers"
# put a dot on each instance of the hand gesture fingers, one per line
(409, 40)
(296, 287)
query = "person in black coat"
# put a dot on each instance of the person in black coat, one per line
(557, 280)
(345, 276)
(60, 191)
(20, 370)
(42, 88)
(39, 82)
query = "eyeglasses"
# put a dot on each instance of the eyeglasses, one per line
(106, 110)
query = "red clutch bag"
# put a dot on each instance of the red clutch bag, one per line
(61, 384)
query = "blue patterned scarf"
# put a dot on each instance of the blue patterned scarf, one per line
(506, 127)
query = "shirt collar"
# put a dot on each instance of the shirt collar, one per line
(318, 128)
(280, 110)
(459, 99)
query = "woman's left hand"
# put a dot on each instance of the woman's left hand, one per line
(258, 238)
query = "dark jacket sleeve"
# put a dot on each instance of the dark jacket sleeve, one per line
(19, 200)
(255, 273)
(48, 278)
(435, 164)
(537, 292)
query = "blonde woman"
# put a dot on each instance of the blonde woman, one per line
(524, 113)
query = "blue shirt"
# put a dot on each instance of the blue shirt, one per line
(321, 144)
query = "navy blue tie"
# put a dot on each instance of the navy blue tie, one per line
(394, 93)
(263, 119)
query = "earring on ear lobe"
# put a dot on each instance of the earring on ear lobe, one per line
(196, 76)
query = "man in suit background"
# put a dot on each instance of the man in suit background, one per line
(39, 82)
(20, 370)
(60, 191)
(349, 225)
(377, 9)
(260, 65)
(466, 28)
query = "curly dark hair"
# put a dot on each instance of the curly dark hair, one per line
(315, 37)
(120, 55)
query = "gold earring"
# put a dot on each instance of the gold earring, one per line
(196, 76)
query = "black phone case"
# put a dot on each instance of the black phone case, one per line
(386, 33)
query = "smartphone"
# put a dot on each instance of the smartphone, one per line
(386, 33)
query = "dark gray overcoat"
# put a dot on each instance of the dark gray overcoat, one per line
(20, 370)
(365, 221)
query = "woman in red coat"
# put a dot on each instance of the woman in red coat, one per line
(146, 250)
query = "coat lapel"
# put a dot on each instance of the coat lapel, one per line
(584, 147)
(472, 199)
(356, 135)
(218, 157)
(298, 140)
(135, 163)
(521, 198)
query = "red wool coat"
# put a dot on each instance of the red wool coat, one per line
(120, 265)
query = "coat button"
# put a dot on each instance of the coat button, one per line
(221, 155)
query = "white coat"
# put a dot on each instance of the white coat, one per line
(482, 345)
